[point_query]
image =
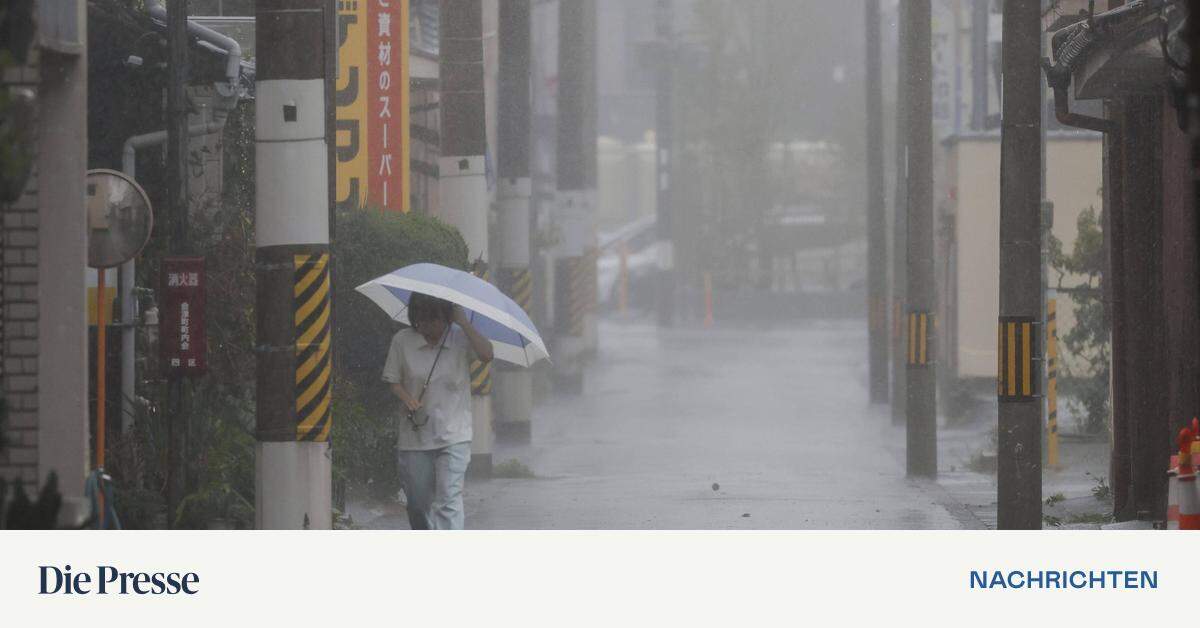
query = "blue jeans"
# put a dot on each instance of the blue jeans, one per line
(433, 484)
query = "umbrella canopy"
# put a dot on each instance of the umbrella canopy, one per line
(497, 317)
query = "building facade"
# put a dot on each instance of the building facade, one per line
(43, 235)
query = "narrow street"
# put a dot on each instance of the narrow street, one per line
(711, 429)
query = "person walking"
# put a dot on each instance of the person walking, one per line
(428, 368)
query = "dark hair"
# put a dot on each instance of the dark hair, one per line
(422, 307)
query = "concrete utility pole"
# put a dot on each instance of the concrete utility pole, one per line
(294, 414)
(980, 14)
(877, 317)
(1019, 482)
(664, 27)
(922, 291)
(462, 178)
(514, 386)
(177, 203)
(1140, 302)
(574, 276)
(900, 227)
(1193, 113)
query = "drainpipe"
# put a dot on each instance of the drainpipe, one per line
(127, 273)
(1062, 111)
(233, 50)
(229, 95)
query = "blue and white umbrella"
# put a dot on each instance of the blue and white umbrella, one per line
(497, 317)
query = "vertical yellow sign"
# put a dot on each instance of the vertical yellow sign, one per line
(351, 100)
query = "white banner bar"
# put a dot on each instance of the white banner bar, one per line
(599, 578)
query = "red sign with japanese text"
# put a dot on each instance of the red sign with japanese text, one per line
(372, 105)
(182, 340)
(387, 70)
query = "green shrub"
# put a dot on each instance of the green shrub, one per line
(363, 443)
(370, 243)
(224, 487)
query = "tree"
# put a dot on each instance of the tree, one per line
(1086, 361)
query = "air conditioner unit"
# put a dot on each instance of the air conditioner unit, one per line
(61, 25)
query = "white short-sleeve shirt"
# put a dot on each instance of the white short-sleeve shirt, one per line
(447, 400)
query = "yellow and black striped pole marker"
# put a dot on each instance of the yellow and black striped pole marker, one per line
(1051, 384)
(593, 288)
(579, 297)
(513, 387)
(314, 388)
(920, 339)
(481, 378)
(921, 425)
(1016, 378)
(481, 372)
(899, 366)
(591, 297)
(519, 287)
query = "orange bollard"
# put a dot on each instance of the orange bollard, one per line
(1186, 452)
(1189, 499)
(1195, 450)
(1173, 494)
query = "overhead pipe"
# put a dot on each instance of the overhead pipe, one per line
(229, 45)
(128, 271)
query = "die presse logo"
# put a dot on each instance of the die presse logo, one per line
(107, 580)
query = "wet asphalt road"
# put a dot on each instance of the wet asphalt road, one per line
(777, 421)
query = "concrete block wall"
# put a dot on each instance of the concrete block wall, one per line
(19, 316)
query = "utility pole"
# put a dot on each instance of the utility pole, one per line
(1193, 110)
(177, 202)
(1049, 430)
(900, 226)
(1019, 482)
(576, 174)
(462, 178)
(922, 291)
(294, 413)
(514, 386)
(664, 26)
(876, 220)
(980, 12)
